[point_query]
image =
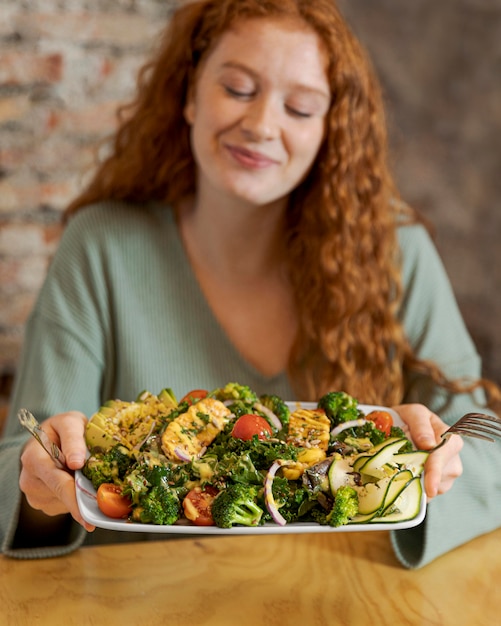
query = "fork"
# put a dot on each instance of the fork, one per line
(29, 421)
(477, 425)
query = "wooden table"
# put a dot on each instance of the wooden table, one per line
(348, 579)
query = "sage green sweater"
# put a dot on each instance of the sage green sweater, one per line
(121, 311)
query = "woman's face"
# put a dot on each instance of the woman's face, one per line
(258, 110)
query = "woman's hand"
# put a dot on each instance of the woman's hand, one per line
(47, 488)
(424, 428)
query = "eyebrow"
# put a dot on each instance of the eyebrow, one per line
(301, 86)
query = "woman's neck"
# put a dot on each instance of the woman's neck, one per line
(238, 257)
(231, 239)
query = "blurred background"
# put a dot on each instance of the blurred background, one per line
(65, 65)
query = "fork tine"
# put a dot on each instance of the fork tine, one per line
(467, 432)
(473, 424)
(480, 425)
(482, 417)
(476, 425)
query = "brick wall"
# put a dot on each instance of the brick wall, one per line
(64, 66)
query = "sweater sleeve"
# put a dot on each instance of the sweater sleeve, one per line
(436, 331)
(60, 369)
(49, 383)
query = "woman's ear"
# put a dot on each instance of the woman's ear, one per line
(189, 107)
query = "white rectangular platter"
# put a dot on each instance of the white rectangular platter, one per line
(91, 513)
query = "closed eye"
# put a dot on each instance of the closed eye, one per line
(297, 112)
(235, 93)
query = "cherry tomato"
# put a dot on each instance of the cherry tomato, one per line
(382, 421)
(197, 505)
(249, 425)
(194, 396)
(111, 502)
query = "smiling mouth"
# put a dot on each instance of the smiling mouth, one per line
(250, 159)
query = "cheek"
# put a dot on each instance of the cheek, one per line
(211, 120)
(305, 144)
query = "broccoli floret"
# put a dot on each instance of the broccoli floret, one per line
(277, 406)
(236, 505)
(339, 407)
(236, 392)
(160, 505)
(147, 475)
(345, 506)
(108, 467)
(240, 399)
(97, 471)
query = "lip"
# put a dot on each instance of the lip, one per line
(249, 158)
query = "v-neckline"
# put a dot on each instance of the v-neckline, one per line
(189, 278)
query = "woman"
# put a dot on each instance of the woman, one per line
(245, 227)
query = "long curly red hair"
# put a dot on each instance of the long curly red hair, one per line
(342, 220)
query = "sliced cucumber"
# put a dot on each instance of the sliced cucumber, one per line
(362, 519)
(406, 506)
(375, 465)
(404, 474)
(340, 473)
(371, 497)
(397, 484)
(377, 497)
(412, 460)
(359, 461)
(386, 442)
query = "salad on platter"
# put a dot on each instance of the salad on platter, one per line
(232, 459)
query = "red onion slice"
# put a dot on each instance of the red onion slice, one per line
(268, 491)
(269, 414)
(345, 425)
(152, 428)
(184, 456)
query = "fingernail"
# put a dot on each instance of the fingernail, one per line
(76, 460)
(426, 442)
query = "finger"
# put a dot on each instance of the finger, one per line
(423, 426)
(443, 467)
(53, 506)
(69, 429)
(61, 485)
(432, 478)
(56, 495)
(47, 488)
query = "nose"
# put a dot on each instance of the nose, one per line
(261, 120)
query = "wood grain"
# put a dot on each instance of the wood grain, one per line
(312, 580)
